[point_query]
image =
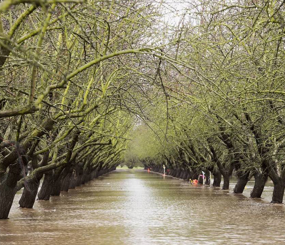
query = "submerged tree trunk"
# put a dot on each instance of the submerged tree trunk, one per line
(200, 179)
(217, 178)
(66, 182)
(182, 174)
(31, 186)
(8, 189)
(207, 177)
(29, 194)
(93, 175)
(7, 195)
(187, 176)
(83, 178)
(88, 176)
(59, 176)
(195, 175)
(260, 180)
(243, 178)
(72, 183)
(46, 188)
(226, 184)
(56, 187)
(78, 174)
(73, 180)
(278, 191)
(79, 179)
(96, 173)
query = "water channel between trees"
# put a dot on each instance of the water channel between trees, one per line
(136, 207)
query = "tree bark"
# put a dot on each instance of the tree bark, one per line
(31, 186)
(8, 189)
(56, 187)
(226, 184)
(217, 178)
(260, 180)
(278, 191)
(242, 181)
(187, 177)
(73, 179)
(207, 175)
(59, 176)
(66, 182)
(46, 188)
(200, 179)
(29, 194)
(181, 175)
(83, 178)
(79, 179)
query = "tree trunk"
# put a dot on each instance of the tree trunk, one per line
(93, 175)
(278, 191)
(72, 183)
(8, 189)
(200, 179)
(59, 176)
(46, 188)
(66, 182)
(260, 180)
(96, 173)
(226, 184)
(83, 178)
(88, 177)
(207, 175)
(56, 187)
(242, 181)
(181, 175)
(187, 177)
(79, 179)
(217, 178)
(29, 194)
(195, 175)
(7, 195)
(177, 173)
(73, 180)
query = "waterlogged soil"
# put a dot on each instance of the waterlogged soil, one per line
(135, 207)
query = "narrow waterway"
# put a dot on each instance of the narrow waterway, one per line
(128, 207)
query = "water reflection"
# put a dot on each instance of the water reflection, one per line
(135, 207)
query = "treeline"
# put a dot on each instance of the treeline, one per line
(225, 111)
(71, 78)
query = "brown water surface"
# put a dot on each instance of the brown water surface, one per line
(130, 207)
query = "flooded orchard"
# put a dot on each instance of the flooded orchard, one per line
(136, 207)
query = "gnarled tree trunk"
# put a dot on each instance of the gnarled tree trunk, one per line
(29, 194)
(31, 186)
(260, 180)
(46, 189)
(66, 182)
(226, 184)
(207, 175)
(217, 178)
(278, 191)
(8, 189)
(56, 188)
(243, 178)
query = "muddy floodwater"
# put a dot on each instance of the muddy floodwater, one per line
(135, 207)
